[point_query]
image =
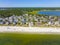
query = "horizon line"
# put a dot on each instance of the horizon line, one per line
(29, 7)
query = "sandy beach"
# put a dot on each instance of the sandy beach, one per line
(29, 29)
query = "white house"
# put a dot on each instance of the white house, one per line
(26, 14)
(57, 23)
(49, 23)
(11, 19)
(30, 24)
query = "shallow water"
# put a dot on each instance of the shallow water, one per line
(54, 13)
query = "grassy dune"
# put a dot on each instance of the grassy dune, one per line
(29, 39)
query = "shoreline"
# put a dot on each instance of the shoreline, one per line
(32, 30)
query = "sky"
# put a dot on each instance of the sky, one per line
(29, 3)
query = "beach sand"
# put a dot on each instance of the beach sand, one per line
(41, 30)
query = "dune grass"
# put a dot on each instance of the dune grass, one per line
(29, 39)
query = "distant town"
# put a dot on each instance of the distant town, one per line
(31, 20)
(28, 19)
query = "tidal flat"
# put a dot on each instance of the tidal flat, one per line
(29, 39)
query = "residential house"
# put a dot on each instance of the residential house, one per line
(11, 19)
(31, 24)
(57, 23)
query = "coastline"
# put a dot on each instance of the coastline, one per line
(32, 30)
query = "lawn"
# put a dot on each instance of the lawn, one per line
(29, 39)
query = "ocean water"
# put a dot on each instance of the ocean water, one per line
(52, 13)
